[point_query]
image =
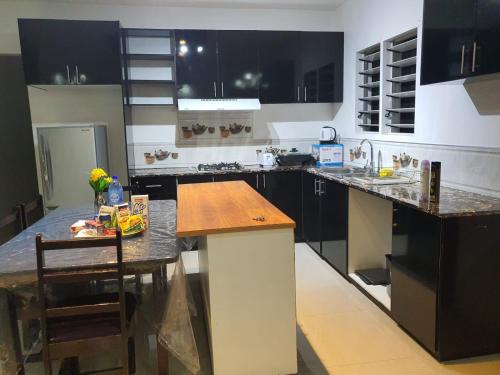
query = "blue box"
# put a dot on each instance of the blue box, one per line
(328, 155)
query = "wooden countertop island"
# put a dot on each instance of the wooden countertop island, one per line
(246, 256)
(224, 207)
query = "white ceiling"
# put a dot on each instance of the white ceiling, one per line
(263, 4)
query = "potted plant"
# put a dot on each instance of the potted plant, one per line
(99, 181)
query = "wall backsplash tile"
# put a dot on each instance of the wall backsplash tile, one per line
(469, 168)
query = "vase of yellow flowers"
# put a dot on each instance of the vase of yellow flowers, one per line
(99, 181)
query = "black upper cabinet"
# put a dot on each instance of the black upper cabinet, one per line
(238, 64)
(448, 34)
(301, 67)
(217, 64)
(487, 48)
(65, 52)
(322, 66)
(197, 64)
(279, 66)
(275, 66)
(461, 39)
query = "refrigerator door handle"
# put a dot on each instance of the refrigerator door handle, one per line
(43, 164)
(50, 173)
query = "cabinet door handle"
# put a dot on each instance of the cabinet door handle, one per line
(264, 180)
(222, 88)
(298, 94)
(67, 72)
(322, 189)
(316, 186)
(153, 186)
(463, 60)
(474, 57)
(257, 178)
(215, 89)
(305, 93)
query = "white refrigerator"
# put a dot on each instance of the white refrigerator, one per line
(66, 155)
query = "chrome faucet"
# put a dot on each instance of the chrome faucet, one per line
(372, 162)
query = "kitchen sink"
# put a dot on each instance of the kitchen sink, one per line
(373, 179)
(342, 171)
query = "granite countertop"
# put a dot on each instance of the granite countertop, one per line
(156, 246)
(186, 171)
(453, 202)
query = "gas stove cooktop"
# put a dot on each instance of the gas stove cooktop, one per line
(220, 167)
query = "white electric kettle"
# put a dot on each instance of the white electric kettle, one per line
(328, 135)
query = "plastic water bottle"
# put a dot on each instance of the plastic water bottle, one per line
(115, 192)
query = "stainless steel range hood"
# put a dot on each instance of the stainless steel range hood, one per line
(218, 104)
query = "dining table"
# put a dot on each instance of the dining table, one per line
(145, 253)
(142, 254)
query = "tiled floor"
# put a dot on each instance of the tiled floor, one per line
(339, 330)
(344, 333)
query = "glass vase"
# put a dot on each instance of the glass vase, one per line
(99, 201)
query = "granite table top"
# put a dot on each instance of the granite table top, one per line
(453, 202)
(142, 254)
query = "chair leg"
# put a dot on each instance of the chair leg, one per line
(47, 363)
(157, 281)
(164, 276)
(138, 288)
(162, 354)
(131, 355)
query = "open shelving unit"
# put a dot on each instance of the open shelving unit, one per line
(148, 67)
(148, 91)
(369, 251)
(399, 93)
(368, 89)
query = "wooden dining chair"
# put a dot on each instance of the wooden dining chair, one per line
(11, 360)
(32, 211)
(89, 325)
(11, 225)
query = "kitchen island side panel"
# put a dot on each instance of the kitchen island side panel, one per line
(248, 279)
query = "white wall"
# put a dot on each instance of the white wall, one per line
(159, 17)
(300, 129)
(445, 113)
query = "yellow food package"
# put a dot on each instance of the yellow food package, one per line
(133, 224)
(386, 172)
(122, 215)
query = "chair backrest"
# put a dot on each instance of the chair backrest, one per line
(32, 211)
(68, 275)
(11, 225)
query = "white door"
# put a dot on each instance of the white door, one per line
(67, 155)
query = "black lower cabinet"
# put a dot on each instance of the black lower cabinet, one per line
(325, 210)
(445, 282)
(250, 178)
(284, 190)
(311, 211)
(469, 288)
(157, 187)
(334, 211)
(414, 274)
(195, 179)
